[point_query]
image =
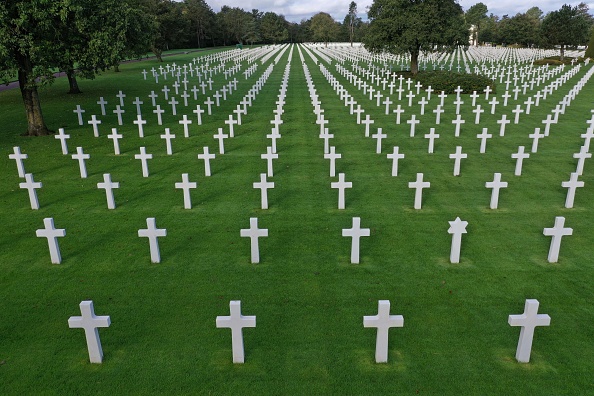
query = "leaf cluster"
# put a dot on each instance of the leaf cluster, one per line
(448, 81)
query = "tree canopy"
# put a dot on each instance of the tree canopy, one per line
(567, 26)
(403, 26)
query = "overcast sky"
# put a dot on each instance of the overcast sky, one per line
(296, 10)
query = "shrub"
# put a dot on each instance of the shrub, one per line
(448, 81)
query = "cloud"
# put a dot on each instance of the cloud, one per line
(296, 10)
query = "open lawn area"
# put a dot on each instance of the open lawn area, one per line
(309, 299)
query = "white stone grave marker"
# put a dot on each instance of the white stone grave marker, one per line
(52, 234)
(144, 157)
(206, 156)
(395, 156)
(356, 232)
(62, 137)
(419, 185)
(254, 233)
(19, 157)
(458, 156)
(519, 157)
(31, 187)
(572, 184)
(108, 186)
(383, 321)
(152, 233)
(236, 322)
(264, 185)
(496, 185)
(529, 320)
(90, 322)
(557, 232)
(186, 185)
(80, 156)
(457, 228)
(341, 185)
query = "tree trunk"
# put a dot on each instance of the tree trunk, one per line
(562, 56)
(414, 62)
(35, 122)
(157, 53)
(71, 74)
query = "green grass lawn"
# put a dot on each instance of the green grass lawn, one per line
(309, 300)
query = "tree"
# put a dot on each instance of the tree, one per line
(564, 27)
(202, 17)
(26, 27)
(520, 29)
(92, 34)
(324, 28)
(590, 50)
(476, 16)
(273, 28)
(351, 21)
(404, 26)
(237, 24)
(489, 32)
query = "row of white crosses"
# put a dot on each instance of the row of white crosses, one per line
(383, 322)
(519, 156)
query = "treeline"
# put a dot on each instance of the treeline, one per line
(566, 26)
(193, 24)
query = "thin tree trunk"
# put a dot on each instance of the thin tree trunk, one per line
(35, 122)
(157, 53)
(414, 62)
(71, 74)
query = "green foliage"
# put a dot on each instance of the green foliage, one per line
(476, 16)
(273, 28)
(567, 26)
(323, 27)
(448, 81)
(402, 26)
(590, 50)
(556, 60)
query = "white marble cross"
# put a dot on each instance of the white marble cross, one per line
(341, 185)
(419, 185)
(115, 136)
(264, 185)
(269, 156)
(431, 136)
(79, 112)
(478, 111)
(62, 137)
(503, 122)
(517, 111)
(383, 321)
(137, 102)
(158, 111)
(356, 232)
(80, 156)
(438, 111)
(457, 228)
(90, 322)
(186, 185)
(529, 320)
(108, 186)
(519, 157)
(206, 156)
(144, 157)
(18, 157)
(581, 157)
(458, 156)
(367, 121)
(231, 121)
(173, 104)
(413, 122)
(557, 232)
(332, 156)
(326, 136)
(168, 136)
(198, 113)
(458, 121)
(102, 102)
(220, 136)
(52, 233)
(119, 111)
(140, 122)
(484, 136)
(185, 122)
(395, 156)
(535, 137)
(254, 233)
(152, 233)
(121, 96)
(496, 185)
(236, 322)
(31, 187)
(379, 136)
(571, 185)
